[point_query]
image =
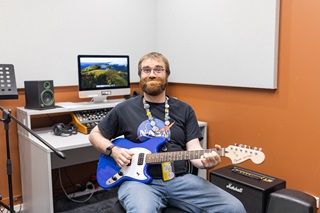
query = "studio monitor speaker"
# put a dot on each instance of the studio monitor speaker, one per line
(291, 201)
(39, 94)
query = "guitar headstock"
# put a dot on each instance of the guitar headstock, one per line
(241, 153)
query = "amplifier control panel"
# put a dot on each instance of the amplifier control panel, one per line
(86, 120)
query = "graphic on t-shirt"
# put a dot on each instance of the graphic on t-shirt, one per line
(146, 132)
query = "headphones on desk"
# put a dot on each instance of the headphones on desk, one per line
(61, 129)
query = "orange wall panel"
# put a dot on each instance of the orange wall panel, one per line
(285, 122)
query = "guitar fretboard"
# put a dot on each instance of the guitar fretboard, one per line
(157, 158)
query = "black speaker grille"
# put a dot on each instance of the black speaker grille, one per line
(47, 98)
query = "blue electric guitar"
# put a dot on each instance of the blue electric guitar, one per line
(109, 175)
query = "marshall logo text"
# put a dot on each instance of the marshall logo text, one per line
(234, 188)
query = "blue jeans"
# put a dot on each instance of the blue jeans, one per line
(188, 192)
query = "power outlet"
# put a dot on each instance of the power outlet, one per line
(85, 192)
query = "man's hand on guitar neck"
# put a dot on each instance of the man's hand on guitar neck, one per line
(212, 159)
(207, 160)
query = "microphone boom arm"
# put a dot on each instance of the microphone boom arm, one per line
(7, 113)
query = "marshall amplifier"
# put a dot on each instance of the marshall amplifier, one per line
(250, 187)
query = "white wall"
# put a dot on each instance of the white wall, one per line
(214, 42)
(220, 42)
(42, 38)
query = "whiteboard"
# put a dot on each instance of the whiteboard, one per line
(220, 42)
(43, 38)
(211, 42)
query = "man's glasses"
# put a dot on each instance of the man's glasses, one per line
(157, 70)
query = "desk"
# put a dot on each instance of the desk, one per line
(37, 160)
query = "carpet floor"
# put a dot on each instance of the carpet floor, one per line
(101, 201)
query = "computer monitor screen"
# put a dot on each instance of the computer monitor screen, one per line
(101, 76)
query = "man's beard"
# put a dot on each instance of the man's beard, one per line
(153, 86)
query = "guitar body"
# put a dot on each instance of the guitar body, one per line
(109, 175)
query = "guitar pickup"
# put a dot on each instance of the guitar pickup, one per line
(140, 158)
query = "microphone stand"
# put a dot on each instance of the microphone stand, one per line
(6, 118)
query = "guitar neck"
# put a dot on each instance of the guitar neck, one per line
(157, 158)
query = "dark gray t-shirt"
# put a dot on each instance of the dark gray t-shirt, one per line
(129, 118)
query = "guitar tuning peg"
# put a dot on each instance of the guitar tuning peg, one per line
(245, 146)
(255, 148)
(235, 144)
(260, 149)
(241, 145)
(249, 147)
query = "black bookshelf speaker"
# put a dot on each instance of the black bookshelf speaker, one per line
(39, 94)
(291, 201)
(250, 187)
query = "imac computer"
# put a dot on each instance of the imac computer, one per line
(101, 76)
